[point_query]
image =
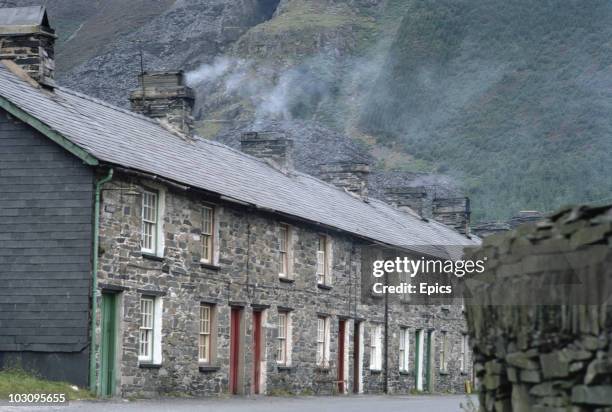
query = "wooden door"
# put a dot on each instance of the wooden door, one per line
(108, 344)
(356, 358)
(257, 347)
(234, 350)
(341, 345)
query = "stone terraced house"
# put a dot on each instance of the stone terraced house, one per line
(139, 259)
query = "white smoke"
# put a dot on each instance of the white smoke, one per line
(210, 72)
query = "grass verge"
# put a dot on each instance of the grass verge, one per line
(20, 381)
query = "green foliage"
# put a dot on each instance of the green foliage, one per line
(511, 96)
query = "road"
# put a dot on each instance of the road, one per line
(363, 403)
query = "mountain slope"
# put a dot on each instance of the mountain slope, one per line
(512, 96)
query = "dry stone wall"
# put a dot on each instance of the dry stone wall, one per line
(538, 317)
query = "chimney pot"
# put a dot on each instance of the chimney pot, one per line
(351, 176)
(274, 147)
(27, 39)
(163, 95)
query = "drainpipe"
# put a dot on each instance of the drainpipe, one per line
(386, 334)
(94, 279)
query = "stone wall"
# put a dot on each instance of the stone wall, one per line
(538, 316)
(33, 52)
(245, 274)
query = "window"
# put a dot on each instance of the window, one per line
(323, 277)
(149, 221)
(207, 234)
(322, 341)
(145, 352)
(403, 349)
(376, 348)
(149, 347)
(443, 351)
(282, 338)
(204, 344)
(284, 244)
(465, 350)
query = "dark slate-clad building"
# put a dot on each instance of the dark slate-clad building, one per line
(140, 259)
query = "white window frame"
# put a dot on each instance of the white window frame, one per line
(284, 250)
(283, 338)
(323, 260)
(205, 336)
(145, 340)
(444, 351)
(323, 325)
(208, 234)
(157, 230)
(404, 349)
(150, 326)
(376, 347)
(465, 346)
(149, 223)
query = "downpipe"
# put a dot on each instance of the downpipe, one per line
(93, 384)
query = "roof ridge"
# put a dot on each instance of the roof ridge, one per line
(107, 104)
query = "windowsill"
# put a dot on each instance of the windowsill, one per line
(405, 373)
(209, 368)
(147, 365)
(285, 279)
(375, 371)
(324, 286)
(206, 265)
(444, 373)
(320, 368)
(150, 256)
(284, 368)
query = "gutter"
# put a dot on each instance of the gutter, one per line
(93, 384)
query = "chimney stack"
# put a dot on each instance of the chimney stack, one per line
(418, 199)
(27, 39)
(274, 147)
(454, 212)
(352, 177)
(163, 95)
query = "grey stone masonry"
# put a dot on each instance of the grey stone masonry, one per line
(31, 47)
(453, 212)
(539, 316)
(353, 177)
(418, 199)
(164, 96)
(274, 147)
(243, 275)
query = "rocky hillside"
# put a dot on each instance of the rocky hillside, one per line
(510, 98)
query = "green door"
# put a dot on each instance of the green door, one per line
(108, 344)
(428, 362)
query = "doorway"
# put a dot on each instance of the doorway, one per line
(341, 352)
(357, 357)
(108, 344)
(235, 319)
(418, 364)
(257, 351)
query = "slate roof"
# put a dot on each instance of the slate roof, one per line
(119, 137)
(23, 16)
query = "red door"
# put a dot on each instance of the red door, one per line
(341, 328)
(356, 357)
(256, 351)
(234, 350)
